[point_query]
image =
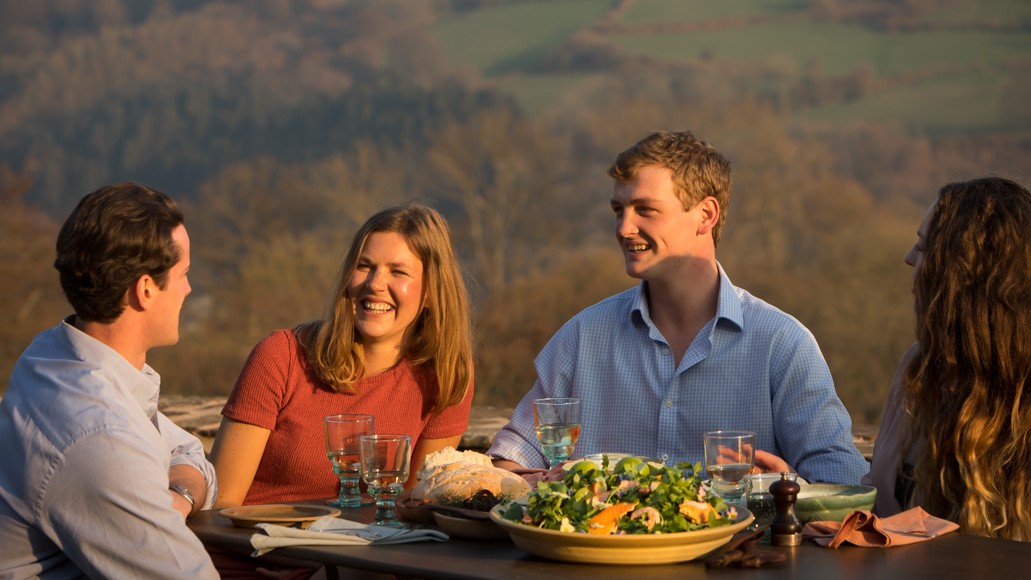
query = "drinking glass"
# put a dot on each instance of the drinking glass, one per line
(557, 423)
(385, 460)
(729, 457)
(758, 498)
(342, 433)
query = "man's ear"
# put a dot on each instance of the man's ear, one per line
(141, 292)
(709, 211)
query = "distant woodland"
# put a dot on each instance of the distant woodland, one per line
(280, 125)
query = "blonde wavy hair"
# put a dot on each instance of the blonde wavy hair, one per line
(965, 387)
(441, 336)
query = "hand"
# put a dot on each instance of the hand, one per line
(766, 462)
(731, 455)
(533, 476)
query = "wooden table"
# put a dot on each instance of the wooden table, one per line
(951, 556)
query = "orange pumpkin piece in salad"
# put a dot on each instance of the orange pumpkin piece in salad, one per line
(606, 521)
(698, 511)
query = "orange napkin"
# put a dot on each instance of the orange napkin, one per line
(863, 528)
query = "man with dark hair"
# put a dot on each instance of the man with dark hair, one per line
(686, 351)
(95, 481)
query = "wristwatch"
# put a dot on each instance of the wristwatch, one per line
(185, 493)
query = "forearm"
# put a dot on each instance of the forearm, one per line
(193, 480)
(506, 464)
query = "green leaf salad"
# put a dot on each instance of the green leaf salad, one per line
(633, 497)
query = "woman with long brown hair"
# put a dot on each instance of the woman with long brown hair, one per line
(395, 343)
(956, 434)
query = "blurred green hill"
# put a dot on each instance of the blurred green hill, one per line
(282, 124)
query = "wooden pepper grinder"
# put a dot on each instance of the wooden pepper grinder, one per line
(785, 530)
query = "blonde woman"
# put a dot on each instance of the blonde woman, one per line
(955, 438)
(395, 343)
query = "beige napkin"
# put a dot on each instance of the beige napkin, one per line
(863, 528)
(330, 531)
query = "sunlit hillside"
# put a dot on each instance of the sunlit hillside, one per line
(282, 124)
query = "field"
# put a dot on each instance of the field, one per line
(947, 70)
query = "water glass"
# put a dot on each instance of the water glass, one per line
(729, 457)
(557, 423)
(385, 462)
(342, 447)
(758, 498)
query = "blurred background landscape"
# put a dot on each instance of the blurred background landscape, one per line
(281, 125)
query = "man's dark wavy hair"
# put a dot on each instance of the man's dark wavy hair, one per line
(115, 235)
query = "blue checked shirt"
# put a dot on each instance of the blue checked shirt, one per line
(751, 368)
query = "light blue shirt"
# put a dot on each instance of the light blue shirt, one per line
(751, 368)
(84, 460)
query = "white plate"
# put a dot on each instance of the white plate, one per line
(299, 516)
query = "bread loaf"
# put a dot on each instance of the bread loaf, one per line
(451, 455)
(450, 477)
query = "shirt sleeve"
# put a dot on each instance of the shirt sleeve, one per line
(260, 391)
(185, 449)
(517, 440)
(108, 508)
(453, 420)
(812, 427)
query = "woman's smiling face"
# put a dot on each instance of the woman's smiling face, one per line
(386, 289)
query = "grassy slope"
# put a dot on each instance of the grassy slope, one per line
(932, 81)
(501, 39)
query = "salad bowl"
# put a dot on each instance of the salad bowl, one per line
(619, 548)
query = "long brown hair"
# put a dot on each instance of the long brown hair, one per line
(965, 387)
(441, 336)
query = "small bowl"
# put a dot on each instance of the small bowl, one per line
(413, 510)
(827, 502)
(469, 529)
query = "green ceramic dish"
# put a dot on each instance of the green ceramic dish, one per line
(824, 501)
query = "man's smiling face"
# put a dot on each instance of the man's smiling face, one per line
(651, 225)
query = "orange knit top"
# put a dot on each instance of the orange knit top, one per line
(276, 391)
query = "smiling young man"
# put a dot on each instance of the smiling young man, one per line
(95, 481)
(685, 352)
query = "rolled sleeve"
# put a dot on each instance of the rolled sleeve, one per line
(111, 480)
(517, 441)
(186, 449)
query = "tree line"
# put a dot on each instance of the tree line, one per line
(281, 126)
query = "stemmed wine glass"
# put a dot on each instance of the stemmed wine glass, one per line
(557, 423)
(385, 460)
(342, 446)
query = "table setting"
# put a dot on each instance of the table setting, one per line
(584, 514)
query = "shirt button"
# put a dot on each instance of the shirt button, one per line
(668, 403)
(664, 351)
(665, 456)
